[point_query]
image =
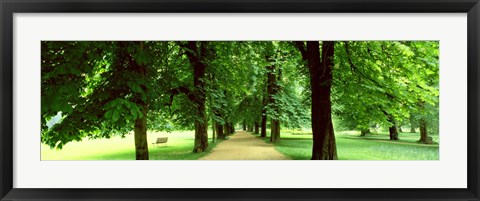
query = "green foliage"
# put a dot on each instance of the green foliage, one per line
(101, 92)
(374, 77)
(101, 88)
(292, 112)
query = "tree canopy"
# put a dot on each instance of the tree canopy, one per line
(100, 89)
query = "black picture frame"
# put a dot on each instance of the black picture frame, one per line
(9, 7)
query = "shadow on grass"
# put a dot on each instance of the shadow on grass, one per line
(379, 139)
(308, 139)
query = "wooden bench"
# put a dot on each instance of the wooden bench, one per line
(161, 140)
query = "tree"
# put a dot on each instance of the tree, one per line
(106, 89)
(272, 90)
(426, 87)
(284, 102)
(197, 55)
(103, 89)
(324, 146)
(412, 124)
(383, 78)
(264, 117)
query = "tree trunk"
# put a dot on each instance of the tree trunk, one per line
(424, 138)
(244, 125)
(219, 127)
(250, 128)
(256, 128)
(324, 146)
(226, 129)
(392, 130)
(199, 68)
(412, 124)
(220, 134)
(273, 88)
(267, 99)
(201, 137)
(275, 131)
(213, 130)
(229, 129)
(140, 127)
(232, 128)
(263, 132)
(140, 134)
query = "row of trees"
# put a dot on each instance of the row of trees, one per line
(103, 89)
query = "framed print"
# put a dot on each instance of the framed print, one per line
(239, 100)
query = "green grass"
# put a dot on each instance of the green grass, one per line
(294, 144)
(350, 146)
(178, 147)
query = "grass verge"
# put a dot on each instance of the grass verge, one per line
(178, 147)
(350, 146)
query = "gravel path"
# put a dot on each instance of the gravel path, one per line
(244, 146)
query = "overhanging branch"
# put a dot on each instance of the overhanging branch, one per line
(356, 70)
(181, 90)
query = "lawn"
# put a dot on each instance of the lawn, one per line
(294, 144)
(178, 147)
(350, 146)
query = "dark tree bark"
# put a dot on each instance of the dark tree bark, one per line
(392, 130)
(423, 132)
(198, 51)
(140, 135)
(273, 89)
(244, 125)
(232, 128)
(201, 137)
(324, 146)
(275, 131)
(256, 128)
(424, 138)
(220, 134)
(219, 127)
(264, 118)
(271, 79)
(213, 130)
(229, 129)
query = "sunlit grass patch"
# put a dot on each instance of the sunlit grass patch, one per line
(178, 147)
